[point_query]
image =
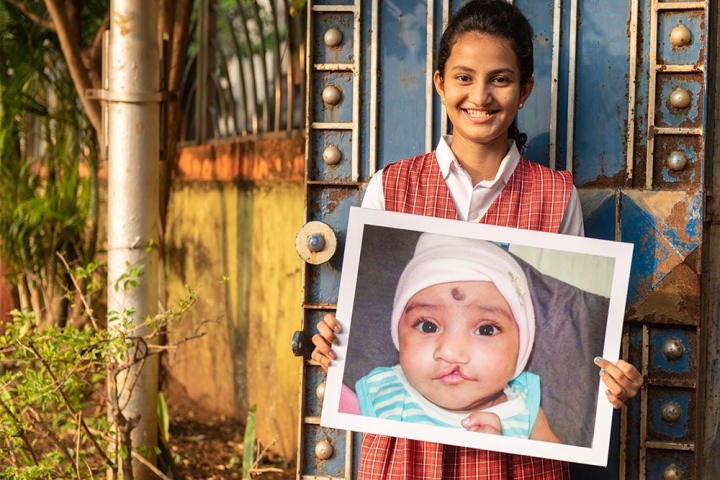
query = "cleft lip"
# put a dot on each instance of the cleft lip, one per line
(453, 375)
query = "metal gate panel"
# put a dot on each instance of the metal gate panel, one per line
(620, 99)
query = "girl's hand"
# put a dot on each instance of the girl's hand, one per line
(324, 340)
(622, 379)
(483, 422)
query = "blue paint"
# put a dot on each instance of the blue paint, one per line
(335, 465)
(601, 106)
(677, 430)
(671, 176)
(314, 377)
(534, 118)
(401, 88)
(343, 53)
(326, 113)
(651, 249)
(671, 117)
(599, 213)
(658, 460)
(658, 339)
(342, 172)
(656, 241)
(688, 55)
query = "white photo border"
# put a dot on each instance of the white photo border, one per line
(597, 454)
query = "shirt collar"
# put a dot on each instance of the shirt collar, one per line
(446, 160)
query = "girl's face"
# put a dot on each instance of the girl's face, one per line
(459, 344)
(482, 90)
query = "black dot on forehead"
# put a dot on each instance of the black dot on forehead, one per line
(457, 294)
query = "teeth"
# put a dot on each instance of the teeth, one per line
(478, 113)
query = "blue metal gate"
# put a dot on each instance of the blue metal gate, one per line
(622, 99)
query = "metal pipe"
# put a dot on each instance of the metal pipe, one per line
(133, 173)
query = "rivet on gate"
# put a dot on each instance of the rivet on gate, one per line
(680, 36)
(323, 450)
(332, 155)
(672, 472)
(676, 161)
(331, 95)
(320, 391)
(673, 349)
(316, 242)
(333, 37)
(680, 98)
(671, 412)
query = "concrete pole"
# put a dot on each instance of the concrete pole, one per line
(133, 136)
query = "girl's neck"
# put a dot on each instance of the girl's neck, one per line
(480, 161)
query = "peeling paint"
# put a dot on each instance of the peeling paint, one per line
(123, 23)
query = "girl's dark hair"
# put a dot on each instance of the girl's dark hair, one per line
(499, 19)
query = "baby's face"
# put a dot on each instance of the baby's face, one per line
(459, 344)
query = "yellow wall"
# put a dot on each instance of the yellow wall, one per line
(243, 230)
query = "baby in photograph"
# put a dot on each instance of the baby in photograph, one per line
(463, 323)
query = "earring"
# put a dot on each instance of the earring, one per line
(520, 106)
(443, 99)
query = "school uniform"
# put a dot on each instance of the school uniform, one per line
(524, 195)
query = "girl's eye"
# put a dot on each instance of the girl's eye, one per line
(487, 330)
(501, 80)
(463, 78)
(426, 326)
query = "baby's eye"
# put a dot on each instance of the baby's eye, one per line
(426, 326)
(487, 330)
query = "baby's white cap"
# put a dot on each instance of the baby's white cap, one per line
(443, 259)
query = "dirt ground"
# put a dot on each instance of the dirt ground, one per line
(204, 446)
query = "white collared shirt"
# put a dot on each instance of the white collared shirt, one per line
(472, 202)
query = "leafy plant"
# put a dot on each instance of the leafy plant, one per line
(57, 385)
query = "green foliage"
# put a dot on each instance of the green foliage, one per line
(249, 443)
(45, 142)
(58, 384)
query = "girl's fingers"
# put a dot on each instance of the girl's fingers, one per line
(623, 381)
(324, 340)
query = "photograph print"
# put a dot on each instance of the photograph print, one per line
(477, 335)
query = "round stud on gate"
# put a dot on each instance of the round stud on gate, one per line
(680, 36)
(333, 37)
(671, 412)
(677, 161)
(320, 391)
(680, 98)
(673, 349)
(315, 242)
(323, 450)
(331, 95)
(332, 155)
(672, 472)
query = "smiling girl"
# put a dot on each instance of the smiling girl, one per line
(484, 75)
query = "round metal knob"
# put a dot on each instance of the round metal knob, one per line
(673, 349)
(333, 37)
(672, 472)
(677, 161)
(331, 95)
(680, 98)
(320, 391)
(671, 412)
(323, 450)
(316, 242)
(680, 36)
(332, 155)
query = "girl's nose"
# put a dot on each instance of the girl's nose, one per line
(480, 94)
(452, 347)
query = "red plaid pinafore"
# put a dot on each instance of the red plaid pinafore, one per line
(535, 198)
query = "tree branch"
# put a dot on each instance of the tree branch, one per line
(82, 78)
(34, 17)
(94, 51)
